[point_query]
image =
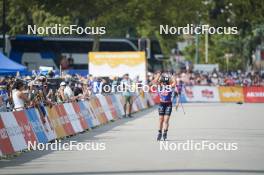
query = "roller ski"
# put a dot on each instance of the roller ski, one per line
(164, 136)
(159, 136)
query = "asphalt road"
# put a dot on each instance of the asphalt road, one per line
(131, 146)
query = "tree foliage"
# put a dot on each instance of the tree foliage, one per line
(141, 18)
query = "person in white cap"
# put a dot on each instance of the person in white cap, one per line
(68, 93)
(61, 96)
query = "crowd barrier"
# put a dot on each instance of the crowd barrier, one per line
(42, 125)
(224, 94)
(251, 94)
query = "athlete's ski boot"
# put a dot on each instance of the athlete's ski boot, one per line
(165, 135)
(159, 136)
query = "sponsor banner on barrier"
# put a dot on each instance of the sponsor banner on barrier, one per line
(64, 119)
(5, 142)
(95, 110)
(25, 126)
(112, 108)
(86, 114)
(105, 106)
(254, 94)
(95, 119)
(201, 94)
(143, 100)
(116, 106)
(43, 124)
(135, 108)
(14, 131)
(55, 122)
(231, 94)
(149, 99)
(137, 101)
(36, 125)
(74, 119)
(100, 111)
(120, 103)
(48, 128)
(82, 120)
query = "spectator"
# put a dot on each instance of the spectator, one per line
(60, 94)
(47, 91)
(19, 98)
(68, 93)
(126, 84)
(86, 92)
(77, 90)
(3, 95)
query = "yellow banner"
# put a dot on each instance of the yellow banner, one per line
(55, 122)
(114, 59)
(102, 64)
(231, 94)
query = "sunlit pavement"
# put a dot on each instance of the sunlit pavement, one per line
(131, 146)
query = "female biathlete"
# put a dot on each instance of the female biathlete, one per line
(166, 87)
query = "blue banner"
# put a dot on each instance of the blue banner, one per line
(36, 125)
(115, 103)
(86, 114)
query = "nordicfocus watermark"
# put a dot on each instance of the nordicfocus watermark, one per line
(191, 29)
(191, 145)
(137, 87)
(59, 29)
(67, 146)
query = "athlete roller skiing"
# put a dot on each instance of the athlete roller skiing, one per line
(166, 88)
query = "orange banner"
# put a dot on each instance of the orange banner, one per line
(55, 122)
(231, 94)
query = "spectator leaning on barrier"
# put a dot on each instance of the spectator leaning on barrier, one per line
(41, 89)
(104, 85)
(95, 85)
(78, 90)
(51, 96)
(19, 98)
(85, 90)
(60, 94)
(214, 79)
(68, 93)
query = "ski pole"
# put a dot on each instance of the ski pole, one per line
(183, 108)
(182, 105)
